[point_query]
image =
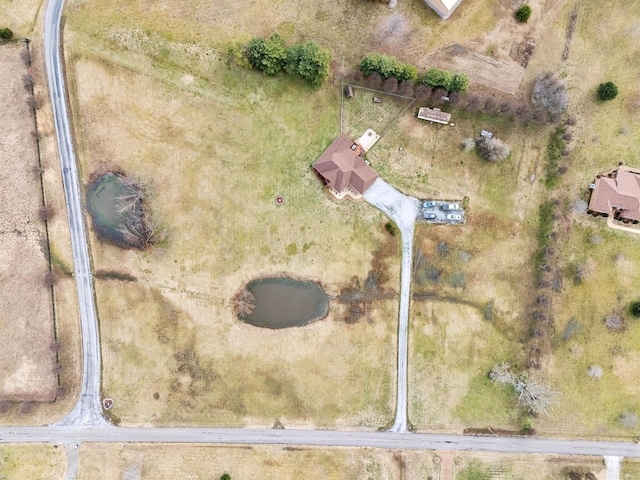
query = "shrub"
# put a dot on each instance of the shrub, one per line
(492, 149)
(459, 83)
(444, 79)
(387, 67)
(271, 56)
(607, 91)
(550, 93)
(391, 228)
(634, 309)
(437, 78)
(310, 62)
(523, 13)
(6, 33)
(268, 55)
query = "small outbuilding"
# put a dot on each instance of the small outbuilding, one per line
(434, 115)
(486, 134)
(348, 91)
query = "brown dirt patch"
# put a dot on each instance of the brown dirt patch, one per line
(26, 317)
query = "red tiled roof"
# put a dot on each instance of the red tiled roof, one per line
(340, 166)
(619, 191)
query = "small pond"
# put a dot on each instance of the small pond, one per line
(115, 206)
(282, 302)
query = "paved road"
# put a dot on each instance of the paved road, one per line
(403, 210)
(88, 410)
(386, 440)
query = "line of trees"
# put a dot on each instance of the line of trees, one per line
(388, 67)
(270, 55)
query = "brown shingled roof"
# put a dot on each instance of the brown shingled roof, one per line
(340, 165)
(619, 190)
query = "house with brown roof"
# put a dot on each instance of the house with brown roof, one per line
(444, 8)
(617, 193)
(342, 168)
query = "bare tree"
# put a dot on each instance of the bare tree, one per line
(535, 397)
(492, 149)
(550, 93)
(32, 102)
(614, 322)
(49, 279)
(468, 144)
(489, 104)
(523, 112)
(374, 80)
(423, 92)
(25, 57)
(27, 81)
(406, 88)
(504, 107)
(45, 213)
(594, 371)
(390, 85)
(473, 102)
(245, 303)
(629, 420)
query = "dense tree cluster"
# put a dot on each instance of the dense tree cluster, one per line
(452, 82)
(387, 67)
(270, 55)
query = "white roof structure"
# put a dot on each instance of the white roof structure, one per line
(444, 8)
(434, 115)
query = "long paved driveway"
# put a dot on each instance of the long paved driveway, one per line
(87, 410)
(403, 210)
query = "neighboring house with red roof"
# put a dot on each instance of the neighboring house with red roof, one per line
(617, 193)
(342, 168)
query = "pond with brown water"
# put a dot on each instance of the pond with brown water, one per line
(282, 302)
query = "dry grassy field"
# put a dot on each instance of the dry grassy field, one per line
(215, 150)
(23, 210)
(137, 461)
(20, 16)
(33, 461)
(133, 462)
(26, 318)
(154, 95)
(607, 260)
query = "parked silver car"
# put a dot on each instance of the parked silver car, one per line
(450, 206)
